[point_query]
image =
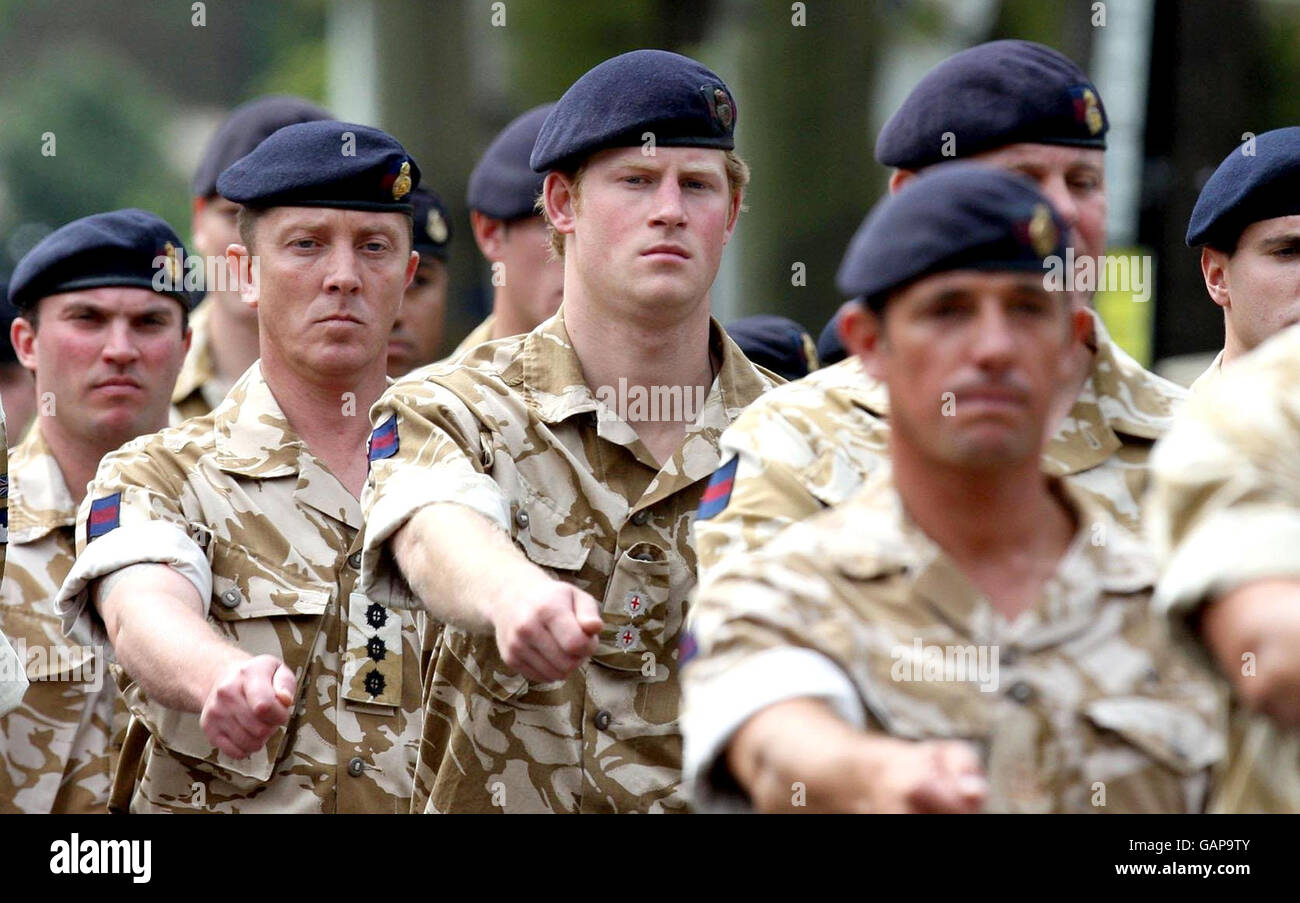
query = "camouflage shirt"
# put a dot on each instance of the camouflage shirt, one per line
(236, 503)
(13, 680)
(477, 336)
(1225, 490)
(1080, 704)
(197, 389)
(810, 444)
(57, 749)
(514, 433)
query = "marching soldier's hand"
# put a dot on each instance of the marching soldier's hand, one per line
(248, 701)
(547, 630)
(1253, 633)
(926, 776)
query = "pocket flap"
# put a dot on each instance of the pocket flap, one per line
(1171, 734)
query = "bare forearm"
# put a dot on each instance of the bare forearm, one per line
(460, 565)
(791, 746)
(162, 640)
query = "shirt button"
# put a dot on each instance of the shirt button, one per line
(1021, 692)
(230, 598)
(521, 518)
(640, 518)
(603, 719)
(356, 766)
(1008, 657)
(354, 561)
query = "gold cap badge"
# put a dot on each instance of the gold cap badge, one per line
(1042, 231)
(722, 106)
(1091, 112)
(173, 264)
(402, 184)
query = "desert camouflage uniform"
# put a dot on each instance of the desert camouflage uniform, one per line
(811, 443)
(1212, 375)
(1090, 709)
(514, 433)
(13, 680)
(57, 749)
(238, 505)
(1223, 512)
(477, 336)
(197, 389)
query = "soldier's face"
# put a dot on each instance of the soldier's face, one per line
(105, 361)
(327, 287)
(417, 333)
(215, 229)
(648, 231)
(1072, 178)
(973, 361)
(1258, 286)
(534, 282)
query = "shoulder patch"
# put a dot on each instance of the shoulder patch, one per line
(105, 516)
(383, 441)
(718, 492)
(687, 648)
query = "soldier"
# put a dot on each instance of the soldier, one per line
(502, 196)
(1018, 106)
(417, 334)
(221, 556)
(105, 342)
(1247, 222)
(529, 496)
(895, 654)
(16, 386)
(212, 367)
(778, 344)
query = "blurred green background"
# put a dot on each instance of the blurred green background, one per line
(130, 91)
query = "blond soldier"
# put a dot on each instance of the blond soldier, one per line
(533, 500)
(896, 654)
(224, 329)
(222, 556)
(104, 341)
(1018, 106)
(527, 281)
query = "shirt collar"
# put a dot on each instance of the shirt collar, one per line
(39, 500)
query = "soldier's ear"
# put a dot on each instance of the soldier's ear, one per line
(22, 334)
(559, 197)
(1214, 267)
(862, 333)
(489, 234)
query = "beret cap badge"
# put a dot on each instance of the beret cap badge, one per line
(723, 108)
(402, 184)
(1087, 110)
(172, 264)
(1042, 231)
(435, 226)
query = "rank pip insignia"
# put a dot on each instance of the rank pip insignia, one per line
(402, 184)
(626, 638)
(1042, 231)
(635, 603)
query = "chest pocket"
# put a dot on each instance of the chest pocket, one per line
(264, 615)
(640, 625)
(49, 654)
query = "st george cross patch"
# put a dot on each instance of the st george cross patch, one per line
(718, 492)
(105, 516)
(383, 441)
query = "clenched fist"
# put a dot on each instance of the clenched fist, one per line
(547, 629)
(248, 701)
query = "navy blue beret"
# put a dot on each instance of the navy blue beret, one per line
(683, 103)
(324, 164)
(432, 225)
(247, 127)
(830, 350)
(777, 343)
(991, 95)
(1248, 188)
(132, 248)
(961, 216)
(503, 184)
(8, 313)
